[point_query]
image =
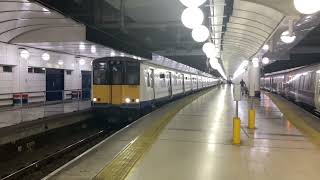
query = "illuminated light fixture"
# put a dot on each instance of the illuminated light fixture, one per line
(24, 54)
(137, 100)
(82, 46)
(139, 58)
(265, 60)
(112, 53)
(318, 71)
(192, 17)
(127, 100)
(306, 73)
(45, 56)
(60, 62)
(192, 3)
(214, 63)
(207, 47)
(93, 49)
(286, 38)
(82, 62)
(265, 47)
(245, 63)
(122, 54)
(200, 33)
(255, 62)
(45, 10)
(307, 6)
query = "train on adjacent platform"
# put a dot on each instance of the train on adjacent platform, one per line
(127, 87)
(301, 85)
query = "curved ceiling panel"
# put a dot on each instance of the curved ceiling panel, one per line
(19, 17)
(249, 27)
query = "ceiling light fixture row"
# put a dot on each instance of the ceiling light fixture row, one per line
(192, 17)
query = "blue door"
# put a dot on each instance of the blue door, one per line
(54, 84)
(86, 85)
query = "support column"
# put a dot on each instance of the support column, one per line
(252, 76)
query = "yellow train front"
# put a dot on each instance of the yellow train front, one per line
(116, 91)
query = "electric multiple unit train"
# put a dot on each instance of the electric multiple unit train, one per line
(127, 86)
(301, 85)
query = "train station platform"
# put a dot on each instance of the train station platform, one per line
(16, 115)
(20, 122)
(192, 139)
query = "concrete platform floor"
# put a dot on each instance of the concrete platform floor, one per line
(197, 145)
(15, 116)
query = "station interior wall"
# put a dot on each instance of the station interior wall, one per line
(22, 81)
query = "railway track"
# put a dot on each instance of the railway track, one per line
(38, 167)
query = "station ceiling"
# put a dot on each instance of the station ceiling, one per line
(144, 26)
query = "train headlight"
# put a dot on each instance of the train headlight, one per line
(137, 100)
(127, 100)
(94, 99)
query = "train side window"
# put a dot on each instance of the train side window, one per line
(132, 73)
(162, 76)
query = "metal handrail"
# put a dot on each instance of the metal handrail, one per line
(25, 92)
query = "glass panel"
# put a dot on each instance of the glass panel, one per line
(100, 76)
(116, 69)
(133, 73)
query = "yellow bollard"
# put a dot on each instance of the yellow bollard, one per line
(236, 130)
(252, 119)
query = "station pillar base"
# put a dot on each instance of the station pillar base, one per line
(252, 119)
(236, 130)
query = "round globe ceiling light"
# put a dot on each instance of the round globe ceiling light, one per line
(214, 63)
(265, 60)
(45, 57)
(286, 38)
(207, 47)
(307, 6)
(265, 47)
(24, 54)
(192, 17)
(200, 33)
(192, 3)
(93, 49)
(82, 62)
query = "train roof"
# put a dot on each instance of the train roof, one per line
(284, 71)
(162, 61)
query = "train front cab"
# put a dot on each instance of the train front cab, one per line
(116, 87)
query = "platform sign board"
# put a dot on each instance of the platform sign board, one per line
(237, 92)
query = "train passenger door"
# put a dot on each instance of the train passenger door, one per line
(170, 84)
(152, 84)
(116, 75)
(183, 85)
(317, 92)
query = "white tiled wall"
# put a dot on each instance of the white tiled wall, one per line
(22, 81)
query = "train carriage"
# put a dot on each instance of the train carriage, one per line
(128, 87)
(301, 85)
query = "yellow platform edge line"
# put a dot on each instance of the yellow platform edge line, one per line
(297, 119)
(123, 163)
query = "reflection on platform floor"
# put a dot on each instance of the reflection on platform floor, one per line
(197, 144)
